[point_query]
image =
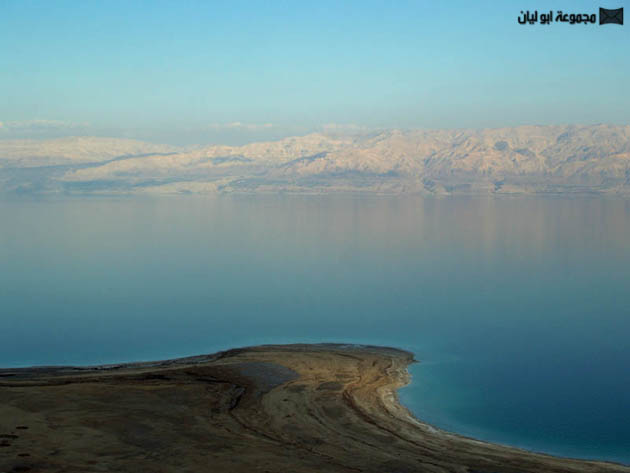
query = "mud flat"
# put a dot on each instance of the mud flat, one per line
(282, 408)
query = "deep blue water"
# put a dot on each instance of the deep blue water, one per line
(517, 308)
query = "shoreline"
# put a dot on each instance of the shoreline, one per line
(302, 408)
(506, 443)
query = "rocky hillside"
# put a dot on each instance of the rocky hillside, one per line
(527, 159)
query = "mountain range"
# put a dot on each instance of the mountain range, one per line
(524, 159)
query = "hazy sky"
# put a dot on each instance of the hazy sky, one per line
(177, 71)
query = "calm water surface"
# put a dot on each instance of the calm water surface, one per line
(517, 308)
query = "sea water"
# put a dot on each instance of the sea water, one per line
(518, 308)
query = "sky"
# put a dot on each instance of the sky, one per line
(187, 72)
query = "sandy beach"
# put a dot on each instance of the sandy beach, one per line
(283, 408)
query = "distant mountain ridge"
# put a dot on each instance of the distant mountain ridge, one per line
(525, 159)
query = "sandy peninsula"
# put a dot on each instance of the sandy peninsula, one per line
(284, 408)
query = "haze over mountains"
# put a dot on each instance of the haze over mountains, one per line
(526, 159)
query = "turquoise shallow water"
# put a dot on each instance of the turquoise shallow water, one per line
(518, 308)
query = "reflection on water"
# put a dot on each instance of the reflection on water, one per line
(518, 306)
